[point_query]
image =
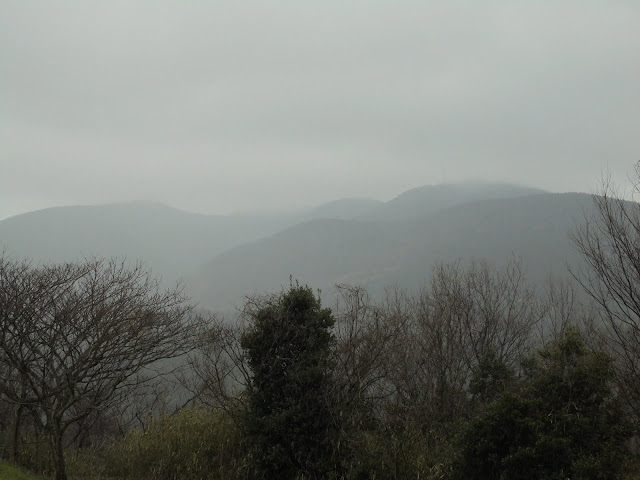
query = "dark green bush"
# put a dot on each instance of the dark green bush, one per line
(563, 422)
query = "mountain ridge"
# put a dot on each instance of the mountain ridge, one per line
(534, 228)
(352, 240)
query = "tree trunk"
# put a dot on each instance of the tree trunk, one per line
(58, 454)
(15, 434)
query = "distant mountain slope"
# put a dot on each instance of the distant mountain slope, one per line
(534, 228)
(344, 209)
(348, 240)
(429, 199)
(171, 241)
(175, 243)
(323, 253)
(319, 252)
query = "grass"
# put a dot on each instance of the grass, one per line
(8, 472)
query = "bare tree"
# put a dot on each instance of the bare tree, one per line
(563, 306)
(219, 373)
(78, 337)
(609, 241)
(463, 315)
(367, 337)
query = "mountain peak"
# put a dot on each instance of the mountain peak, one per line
(420, 201)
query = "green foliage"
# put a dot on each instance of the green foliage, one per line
(8, 472)
(491, 378)
(289, 422)
(192, 444)
(394, 451)
(563, 422)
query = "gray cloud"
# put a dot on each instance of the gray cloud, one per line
(227, 106)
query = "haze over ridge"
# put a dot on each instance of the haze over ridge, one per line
(223, 258)
(220, 107)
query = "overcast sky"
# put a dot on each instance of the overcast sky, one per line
(250, 106)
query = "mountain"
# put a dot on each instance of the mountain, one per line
(535, 229)
(344, 209)
(171, 241)
(325, 252)
(428, 199)
(318, 252)
(354, 240)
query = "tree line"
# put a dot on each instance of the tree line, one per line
(479, 375)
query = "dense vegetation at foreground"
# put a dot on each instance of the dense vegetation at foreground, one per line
(103, 374)
(475, 378)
